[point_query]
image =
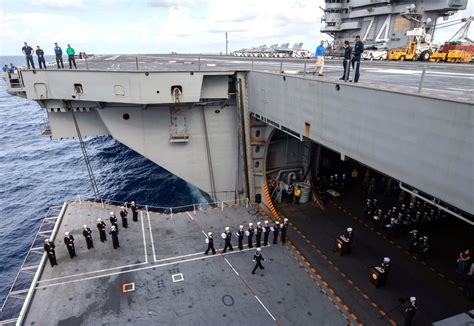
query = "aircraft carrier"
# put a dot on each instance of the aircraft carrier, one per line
(384, 23)
(228, 125)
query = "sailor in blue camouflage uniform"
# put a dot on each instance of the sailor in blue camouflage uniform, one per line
(357, 52)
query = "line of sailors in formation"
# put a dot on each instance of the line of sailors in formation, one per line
(334, 182)
(401, 219)
(403, 216)
(69, 241)
(259, 231)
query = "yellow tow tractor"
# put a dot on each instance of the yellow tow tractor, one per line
(403, 54)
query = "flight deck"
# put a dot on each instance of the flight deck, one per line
(443, 80)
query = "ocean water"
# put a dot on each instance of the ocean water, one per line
(37, 173)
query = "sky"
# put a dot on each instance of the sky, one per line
(163, 26)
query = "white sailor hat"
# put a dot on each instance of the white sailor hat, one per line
(412, 299)
(349, 229)
(259, 249)
(277, 222)
(85, 226)
(99, 220)
(285, 220)
(241, 226)
(46, 240)
(112, 213)
(66, 233)
(266, 222)
(386, 259)
(227, 228)
(209, 233)
(259, 223)
(250, 224)
(133, 203)
(121, 207)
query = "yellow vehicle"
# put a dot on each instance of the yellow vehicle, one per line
(404, 54)
(459, 56)
(453, 56)
(439, 57)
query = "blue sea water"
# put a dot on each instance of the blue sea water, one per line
(37, 173)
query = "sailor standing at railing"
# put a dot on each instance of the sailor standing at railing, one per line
(356, 55)
(320, 53)
(69, 242)
(28, 52)
(346, 63)
(101, 227)
(59, 56)
(87, 233)
(49, 249)
(133, 206)
(114, 233)
(123, 215)
(40, 54)
(114, 221)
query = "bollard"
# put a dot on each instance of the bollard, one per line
(252, 65)
(171, 210)
(146, 208)
(87, 64)
(194, 209)
(422, 78)
(79, 197)
(136, 62)
(222, 205)
(304, 69)
(102, 201)
(247, 203)
(281, 67)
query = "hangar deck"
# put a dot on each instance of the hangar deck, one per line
(155, 253)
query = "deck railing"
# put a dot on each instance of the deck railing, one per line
(21, 287)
